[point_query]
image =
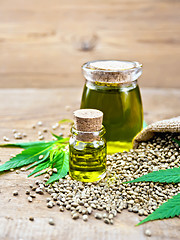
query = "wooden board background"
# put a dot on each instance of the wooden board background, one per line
(43, 43)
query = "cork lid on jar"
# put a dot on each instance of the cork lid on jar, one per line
(88, 120)
(112, 71)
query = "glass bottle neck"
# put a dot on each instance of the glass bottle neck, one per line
(108, 86)
(88, 136)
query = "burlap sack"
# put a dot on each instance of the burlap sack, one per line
(169, 125)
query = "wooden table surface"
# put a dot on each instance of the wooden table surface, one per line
(20, 109)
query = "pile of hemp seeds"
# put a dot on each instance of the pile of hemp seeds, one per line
(105, 199)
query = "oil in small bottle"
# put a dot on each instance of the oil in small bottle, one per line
(87, 146)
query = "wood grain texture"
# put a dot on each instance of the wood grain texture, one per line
(44, 43)
(20, 109)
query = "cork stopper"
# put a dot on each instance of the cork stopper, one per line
(112, 65)
(88, 120)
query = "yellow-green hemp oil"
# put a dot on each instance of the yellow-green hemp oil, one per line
(88, 161)
(122, 108)
(87, 149)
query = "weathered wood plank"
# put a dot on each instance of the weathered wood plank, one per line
(44, 43)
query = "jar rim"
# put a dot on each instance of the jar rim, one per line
(112, 71)
(89, 65)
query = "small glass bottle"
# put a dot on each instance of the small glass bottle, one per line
(87, 146)
(111, 87)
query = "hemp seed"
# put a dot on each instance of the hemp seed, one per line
(75, 216)
(31, 219)
(6, 139)
(15, 193)
(39, 123)
(41, 137)
(51, 221)
(147, 233)
(85, 217)
(98, 216)
(29, 199)
(106, 220)
(41, 157)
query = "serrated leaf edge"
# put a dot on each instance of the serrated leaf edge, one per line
(173, 199)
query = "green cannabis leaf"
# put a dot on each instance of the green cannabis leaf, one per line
(41, 166)
(26, 157)
(40, 161)
(171, 208)
(26, 145)
(66, 121)
(61, 163)
(168, 176)
(56, 136)
(54, 154)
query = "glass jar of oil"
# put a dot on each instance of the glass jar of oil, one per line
(87, 146)
(111, 86)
